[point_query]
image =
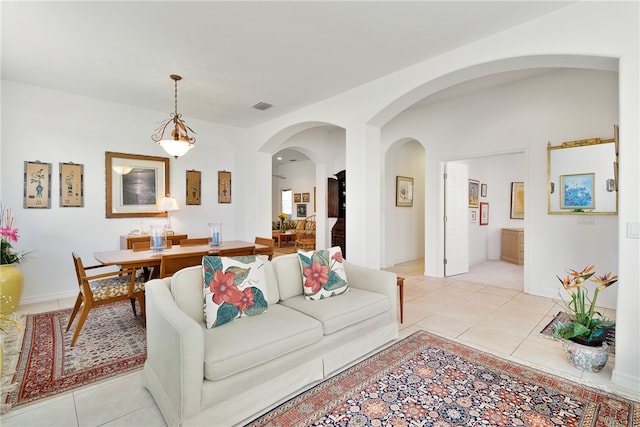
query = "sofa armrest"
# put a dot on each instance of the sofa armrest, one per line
(175, 350)
(369, 279)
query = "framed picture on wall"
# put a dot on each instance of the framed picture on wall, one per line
(305, 197)
(297, 197)
(193, 187)
(301, 210)
(484, 213)
(37, 185)
(71, 185)
(135, 184)
(517, 200)
(473, 215)
(474, 192)
(483, 190)
(404, 191)
(224, 187)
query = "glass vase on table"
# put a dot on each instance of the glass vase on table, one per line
(216, 233)
(158, 238)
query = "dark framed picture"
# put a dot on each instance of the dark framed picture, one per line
(135, 185)
(297, 197)
(577, 191)
(404, 191)
(37, 185)
(517, 200)
(301, 210)
(484, 213)
(474, 192)
(193, 187)
(224, 187)
(483, 190)
(71, 185)
(305, 197)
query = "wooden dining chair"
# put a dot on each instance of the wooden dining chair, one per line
(103, 288)
(249, 250)
(266, 242)
(170, 264)
(141, 246)
(195, 241)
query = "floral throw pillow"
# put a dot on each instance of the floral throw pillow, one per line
(323, 274)
(233, 287)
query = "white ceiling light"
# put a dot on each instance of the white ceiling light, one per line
(179, 142)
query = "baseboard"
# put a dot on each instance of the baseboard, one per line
(48, 297)
(627, 382)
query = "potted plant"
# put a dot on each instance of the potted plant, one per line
(583, 335)
(11, 278)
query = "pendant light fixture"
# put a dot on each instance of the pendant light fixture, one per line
(179, 142)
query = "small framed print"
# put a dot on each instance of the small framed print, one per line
(517, 200)
(301, 210)
(37, 185)
(224, 187)
(404, 191)
(305, 197)
(71, 185)
(483, 190)
(473, 215)
(473, 193)
(297, 197)
(577, 191)
(484, 213)
(193, 187)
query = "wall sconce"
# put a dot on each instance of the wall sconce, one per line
(552, 187)
(611, 184)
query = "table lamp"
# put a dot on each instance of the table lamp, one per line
(168, 204)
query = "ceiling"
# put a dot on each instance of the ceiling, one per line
(233, 55)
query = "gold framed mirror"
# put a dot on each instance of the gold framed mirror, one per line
(582, 177)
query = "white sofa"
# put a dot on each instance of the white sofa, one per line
(229, 374)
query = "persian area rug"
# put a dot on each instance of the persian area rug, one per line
(425, 380)
(112, 342)
(610, 337)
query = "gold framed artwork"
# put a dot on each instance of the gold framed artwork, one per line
(517, 200)
(71, 185)
(404, 191)
(224, 187)
(474, 187)
(193, 187)
(305, 198)
(37, 185)
(297, 197)
(135, 185)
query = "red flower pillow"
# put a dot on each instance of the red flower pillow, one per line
(233, 287)
(323, 274)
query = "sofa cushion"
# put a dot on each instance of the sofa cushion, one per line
(323, 273)
(233, 287)
(251, 341)
(341, 311)
(287, 269)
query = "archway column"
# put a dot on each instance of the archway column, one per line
(364, 189)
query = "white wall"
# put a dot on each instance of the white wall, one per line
(53, 127)
(522, 117)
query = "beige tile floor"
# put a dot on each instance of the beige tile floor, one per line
(485, 309)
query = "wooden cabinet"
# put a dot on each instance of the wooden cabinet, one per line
(332, 199)
(338, 232)
(512, 245)
(126, 242)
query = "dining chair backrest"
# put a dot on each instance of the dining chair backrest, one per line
(170, 264)
(249, 250)
(195, 241)
(266, 241)
(145, 246)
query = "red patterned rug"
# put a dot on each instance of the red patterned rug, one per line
(425, 380)
(111, 342)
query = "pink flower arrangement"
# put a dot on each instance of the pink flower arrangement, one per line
(8, 233)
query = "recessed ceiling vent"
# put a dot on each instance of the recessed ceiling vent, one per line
(262, 106)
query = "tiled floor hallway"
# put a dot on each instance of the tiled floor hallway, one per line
(485, 308)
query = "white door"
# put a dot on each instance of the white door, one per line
(456, 218)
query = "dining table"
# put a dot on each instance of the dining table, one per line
(128, 258)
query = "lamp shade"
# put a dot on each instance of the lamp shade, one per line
(175, 148)
(168, 204)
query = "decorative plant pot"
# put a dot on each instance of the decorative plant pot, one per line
(11, 283)
(587, 358)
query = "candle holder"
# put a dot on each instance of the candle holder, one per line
(216, 233)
